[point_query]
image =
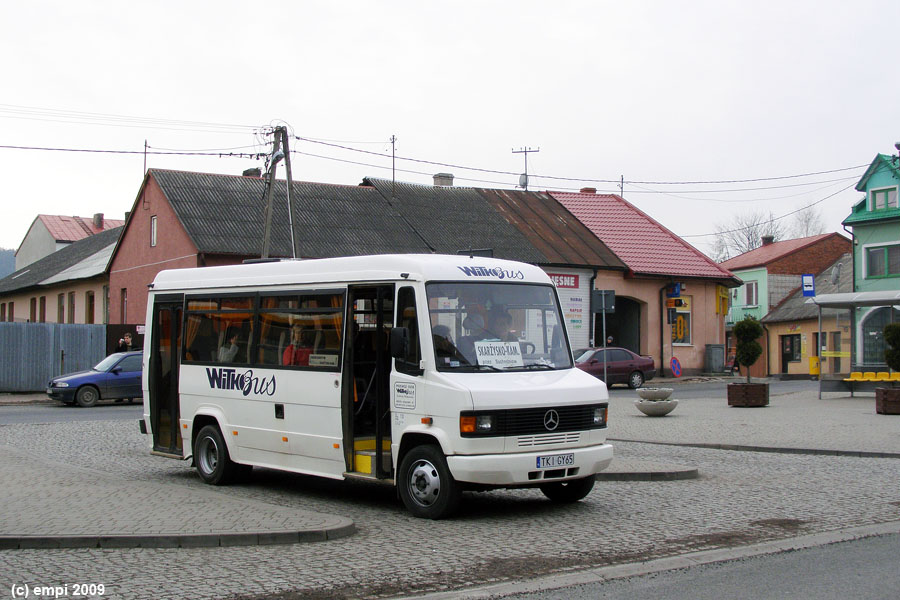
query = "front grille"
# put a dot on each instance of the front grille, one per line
(549, 439)
(530, 421)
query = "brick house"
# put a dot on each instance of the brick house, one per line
(771, 273)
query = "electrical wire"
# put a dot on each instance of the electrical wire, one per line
(591, 180)
(772, 220)
(158, 153)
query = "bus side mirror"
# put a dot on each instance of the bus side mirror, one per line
(399, 342)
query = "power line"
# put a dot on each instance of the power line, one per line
(772, 220)
(94, 151)
(592, 180)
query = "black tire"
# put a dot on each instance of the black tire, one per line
(87, 396)
(211, 457)
(635, 380)
(426, 486)
(568, 491)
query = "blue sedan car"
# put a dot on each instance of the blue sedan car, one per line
(116, 376)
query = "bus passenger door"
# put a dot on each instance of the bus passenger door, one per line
(163, 375)
(366, 401)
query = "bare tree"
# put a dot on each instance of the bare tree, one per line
(745, 233)
(807, 222)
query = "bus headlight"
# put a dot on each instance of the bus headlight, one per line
(476, 424)
(599, 415)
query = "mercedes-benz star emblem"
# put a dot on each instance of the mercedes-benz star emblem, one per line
(551, 420)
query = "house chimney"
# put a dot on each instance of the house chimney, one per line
(443, 179)
(588, 190)
(254, 172)
(98, 220)
(767, 239)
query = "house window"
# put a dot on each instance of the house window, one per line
(883, 261)
(2, 311)
(61, 308)
(886, 198)
(12, 310)
(750, 293)
(42, 310)
(32, 314)
(123, 305)
(153, 230)
(71, 307)
(681, 326)
(89, 308)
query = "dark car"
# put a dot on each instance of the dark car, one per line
(116, 376)
(622, 366)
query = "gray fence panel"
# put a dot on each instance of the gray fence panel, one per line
(32, 353)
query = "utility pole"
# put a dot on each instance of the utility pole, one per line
(270, 180)
(622, 186)
(393, 164)
(523, 181)
(290, 188)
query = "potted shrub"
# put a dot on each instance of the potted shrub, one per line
(655, 402)
(748, 351)
(887, 400)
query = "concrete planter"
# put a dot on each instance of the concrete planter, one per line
(656, 408)
(748, 394)
(887, 401)
(652, 393)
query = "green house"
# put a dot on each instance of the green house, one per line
(875, 225)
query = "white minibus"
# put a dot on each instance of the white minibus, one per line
(435, 373)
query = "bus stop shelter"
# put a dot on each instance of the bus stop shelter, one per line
(850, 301)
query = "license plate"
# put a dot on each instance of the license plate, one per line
(49, 390)
(554, 461)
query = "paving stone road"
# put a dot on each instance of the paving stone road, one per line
(739, 498)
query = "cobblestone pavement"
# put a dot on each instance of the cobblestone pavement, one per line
(740, 498)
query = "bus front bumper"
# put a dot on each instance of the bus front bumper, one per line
(524, 468)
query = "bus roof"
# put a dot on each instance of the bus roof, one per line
(380, 267)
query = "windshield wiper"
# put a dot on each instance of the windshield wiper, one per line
(539, 366)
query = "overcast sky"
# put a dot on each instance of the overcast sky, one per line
(652, 91)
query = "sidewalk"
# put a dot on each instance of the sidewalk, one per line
(55, 507)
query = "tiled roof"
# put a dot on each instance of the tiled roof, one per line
(73, 257)
(71, 229)
(795, 308)
(771, 252)
(639, 241)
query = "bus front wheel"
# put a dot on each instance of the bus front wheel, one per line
(425, 484)
(568, 491)
(211, 457)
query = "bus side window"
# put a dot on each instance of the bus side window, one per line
(407, 317)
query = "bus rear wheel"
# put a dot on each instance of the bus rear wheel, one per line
(426, 486)
(568, 491)
(211, 457)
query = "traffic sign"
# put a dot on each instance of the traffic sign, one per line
(676, 367)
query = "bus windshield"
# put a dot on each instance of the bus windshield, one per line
(498, 326)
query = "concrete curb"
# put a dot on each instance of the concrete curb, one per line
(775, 449)
(684, 561)
(627, 469)
(43, 542)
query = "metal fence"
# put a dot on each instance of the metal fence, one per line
(32, 353)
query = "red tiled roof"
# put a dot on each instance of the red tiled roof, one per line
(771, 252)
(642, 243)
(72, 229)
